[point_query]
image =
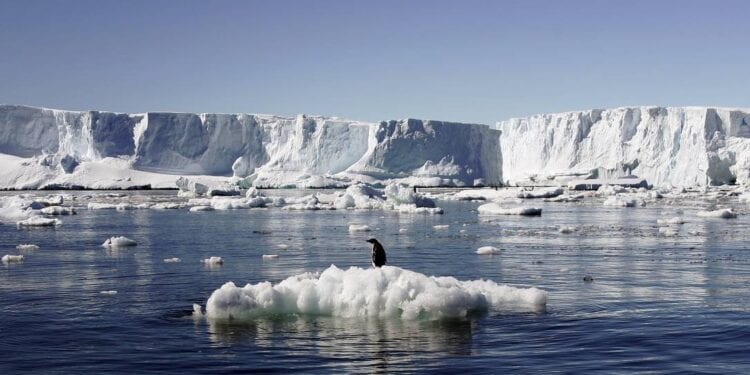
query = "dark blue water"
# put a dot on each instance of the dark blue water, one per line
(657, 304)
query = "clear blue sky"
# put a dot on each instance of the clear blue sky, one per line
(473, 61)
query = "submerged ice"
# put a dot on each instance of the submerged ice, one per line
(383, 292)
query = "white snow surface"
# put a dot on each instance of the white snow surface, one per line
(383, 292)
(42, 147)
(675, 146)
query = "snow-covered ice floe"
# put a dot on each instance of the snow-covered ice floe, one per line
(27, 247)
(566, 229)
(108, 292)
(213, 261)
(172, 260)
(58, 210)
(496, 209)
(8, 258)
(488, 250)
(541, 193)
(671, 221)
(382, 292)
(36, 221)
(270, 256)
(119, 241)
(359, 228)
(724, 213)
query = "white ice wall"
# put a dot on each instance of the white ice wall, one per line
(685, 146)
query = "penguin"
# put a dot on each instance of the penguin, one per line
(378, 253)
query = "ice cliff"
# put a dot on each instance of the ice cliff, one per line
(45, 148)
(688, 146)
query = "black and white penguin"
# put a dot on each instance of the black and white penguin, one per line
(378, 253)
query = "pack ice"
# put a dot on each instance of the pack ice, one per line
(47, 148)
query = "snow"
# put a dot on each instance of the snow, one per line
(27, 247)
(36, 221)
(8, 258)
(496, 209)
(359, 228)
(724, 213)
(119, 241)
(676, 146)
(488, 250)
(382, 292)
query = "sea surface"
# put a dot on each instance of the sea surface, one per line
(656, 304)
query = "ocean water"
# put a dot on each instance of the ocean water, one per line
(656, 304)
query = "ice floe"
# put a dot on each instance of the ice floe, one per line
(488, 250)
(119, 241)
(496, 209)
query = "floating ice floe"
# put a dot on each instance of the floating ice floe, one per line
(8, 258)
(36, 221)
(108, 292)
(197, 311)
(496, 209)
(671, 221)
(270, 256)
(166, 206)
(172, 260)
(488, 250)
(441, 227)
(382, 292)
(213, 261)
(119, 241)
(724, 213)
(201, 208)
(359, 228)
(58, 210)
(619, 201)
(541, 193)
(668, 232)
(27, 247)
(566, 230)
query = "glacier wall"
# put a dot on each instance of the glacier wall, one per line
(685, 146)
(267, 150)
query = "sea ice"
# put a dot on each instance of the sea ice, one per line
(541, 193)
(488, 250)
(58, 210)
(383, 292)
(724, 213)
(213, 261)
(201, 208)
(36, 221)
(27, 247)
(270, 256)
(496, 209)
(119, 241)
(12, 258)
(172, 260)
(359, 228)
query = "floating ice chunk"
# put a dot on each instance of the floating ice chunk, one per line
(744, 197)
(108, 292)
(724, 213)
(617, 201)
(201, 208)
(213, 261)
(359, 228)
(270, 256)
(190, 188)
(197, 311)
(119, 241)
(398, 194)
(403, 230)
(413, 209)
(496, 209)
(172, 260)
(166, 206)
(253, 193)
(541, 193)
(12, 258)
(668, 232)
(36, 221)
(607, 190)
(283, 246)
(58, 210)
(672, 221)
(101, 206)
(382, 292)
(441, 227)
(27, 247)
(567, 230)
(566, 198)
(488, 250)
